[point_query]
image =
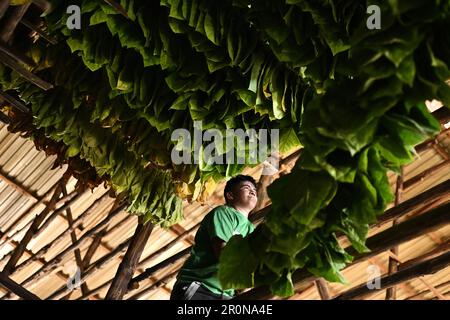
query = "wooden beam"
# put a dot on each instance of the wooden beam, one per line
(51, 264)
(20, 249)
(13, 286)
(4, 5)
(18, 56)
(16, 186)
(129, 263)
(403, 232)
(421, 147)
(411, 272)
(161, 282)
(322, 288)
(432, 288)
(444, 247)
(31, 77)
(86, 214)
(134, 283)
(421, 176)
(4, 118)
(58, 212)
(28, 211)
(446, 283)
(11, 22)
(94, 269)
(63, 200)
(39, 31)
(73, 236)
(440, 191)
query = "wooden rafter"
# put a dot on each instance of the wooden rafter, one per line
(55, 261)
(129, 263)
(76, 224)
(428, 172)
(13, 286)
(393, 264)
(27, 212)
(322, 288)
(20, 249)
(16, 186)
(411, 272)
(11, 22)
(73, 236)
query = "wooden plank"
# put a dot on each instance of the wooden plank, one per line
(13, 286)
(127, 267)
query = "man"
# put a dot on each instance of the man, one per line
(197, 279)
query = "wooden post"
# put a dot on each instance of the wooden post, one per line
(129, 263)
(413, 271)
(11, 285)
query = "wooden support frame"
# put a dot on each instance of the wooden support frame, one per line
(14, 287)
(411, 272)
(53, 263)
(20, 249)
(119, 286)
(12, 21)
(393, 264)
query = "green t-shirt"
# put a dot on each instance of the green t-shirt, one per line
(222, 222)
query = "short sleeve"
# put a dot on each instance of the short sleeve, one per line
(222, 224)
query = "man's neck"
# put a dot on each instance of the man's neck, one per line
(244, 211)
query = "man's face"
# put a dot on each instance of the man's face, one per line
(245, 195)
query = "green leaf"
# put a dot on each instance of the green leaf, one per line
(237, 264)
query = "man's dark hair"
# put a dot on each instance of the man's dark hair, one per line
(235, 181)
